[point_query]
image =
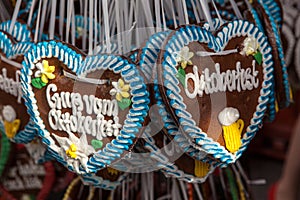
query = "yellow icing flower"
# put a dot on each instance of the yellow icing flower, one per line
(71, 152)
(184, 57)
(121, 90)
(11, 124)
(232, 128)
(45, 72)
(112, 171)
(251, 46)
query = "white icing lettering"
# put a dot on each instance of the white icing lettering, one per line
(239, 80)
(9, 86)
(75, 122)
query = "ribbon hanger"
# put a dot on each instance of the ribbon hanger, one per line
(15, 15)
(206, 11)
(236, 9)
(52, 19)
(37, 23)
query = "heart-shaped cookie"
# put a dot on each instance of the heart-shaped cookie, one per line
(13, 112)
(25, 178)
(76, 104)
(282, 87)
(222, 101)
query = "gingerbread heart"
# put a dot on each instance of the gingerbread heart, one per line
(25, 178)
(282, 87)
(13, 112)
(77, 104)
(217, 87)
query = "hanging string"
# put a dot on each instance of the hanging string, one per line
(68, 24)
(218, 13)
(186, 15)
(173, 14)
(201, 14)
(195, 11)
(91, 32)
(180, 12)
(31, 13)
(85, 25)
(163, 16)
(43, 19)
(37, 23)
(61, 17)
(221, 53)
(236, 9)
(15, 15)
(207, 14)
(157, 16)
(117, 11)
(52, 20)
(106, 25)
(73, 25)
(212, 187)
(11, 62)
(84, 79)
(95, 23)
(183, 190)
(198, 192)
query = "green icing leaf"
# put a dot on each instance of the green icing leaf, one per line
(181, 76)
(258, 57)
(97, 144)
(125, 103)
(38, 83)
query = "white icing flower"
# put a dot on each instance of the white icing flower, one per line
(228, 116)
(36, 150)
(251, 46)
(75, 150)
(9, 113)
(184, 57)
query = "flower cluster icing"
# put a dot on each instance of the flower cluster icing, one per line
(45, 72)
(184, 57)
(121, 90)
(75, 150)
(251, 46)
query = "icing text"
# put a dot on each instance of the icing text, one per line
(239, 79)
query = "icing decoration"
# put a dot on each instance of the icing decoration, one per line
(4, 150)
(112, 171)
(201, 168)
(183, 58)
(121, 91)
(76, 150)
(251, 47)
(11, 124)
(232, 80)
(97, 144)
(43, 74)
(189, 34)
(232, 128)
